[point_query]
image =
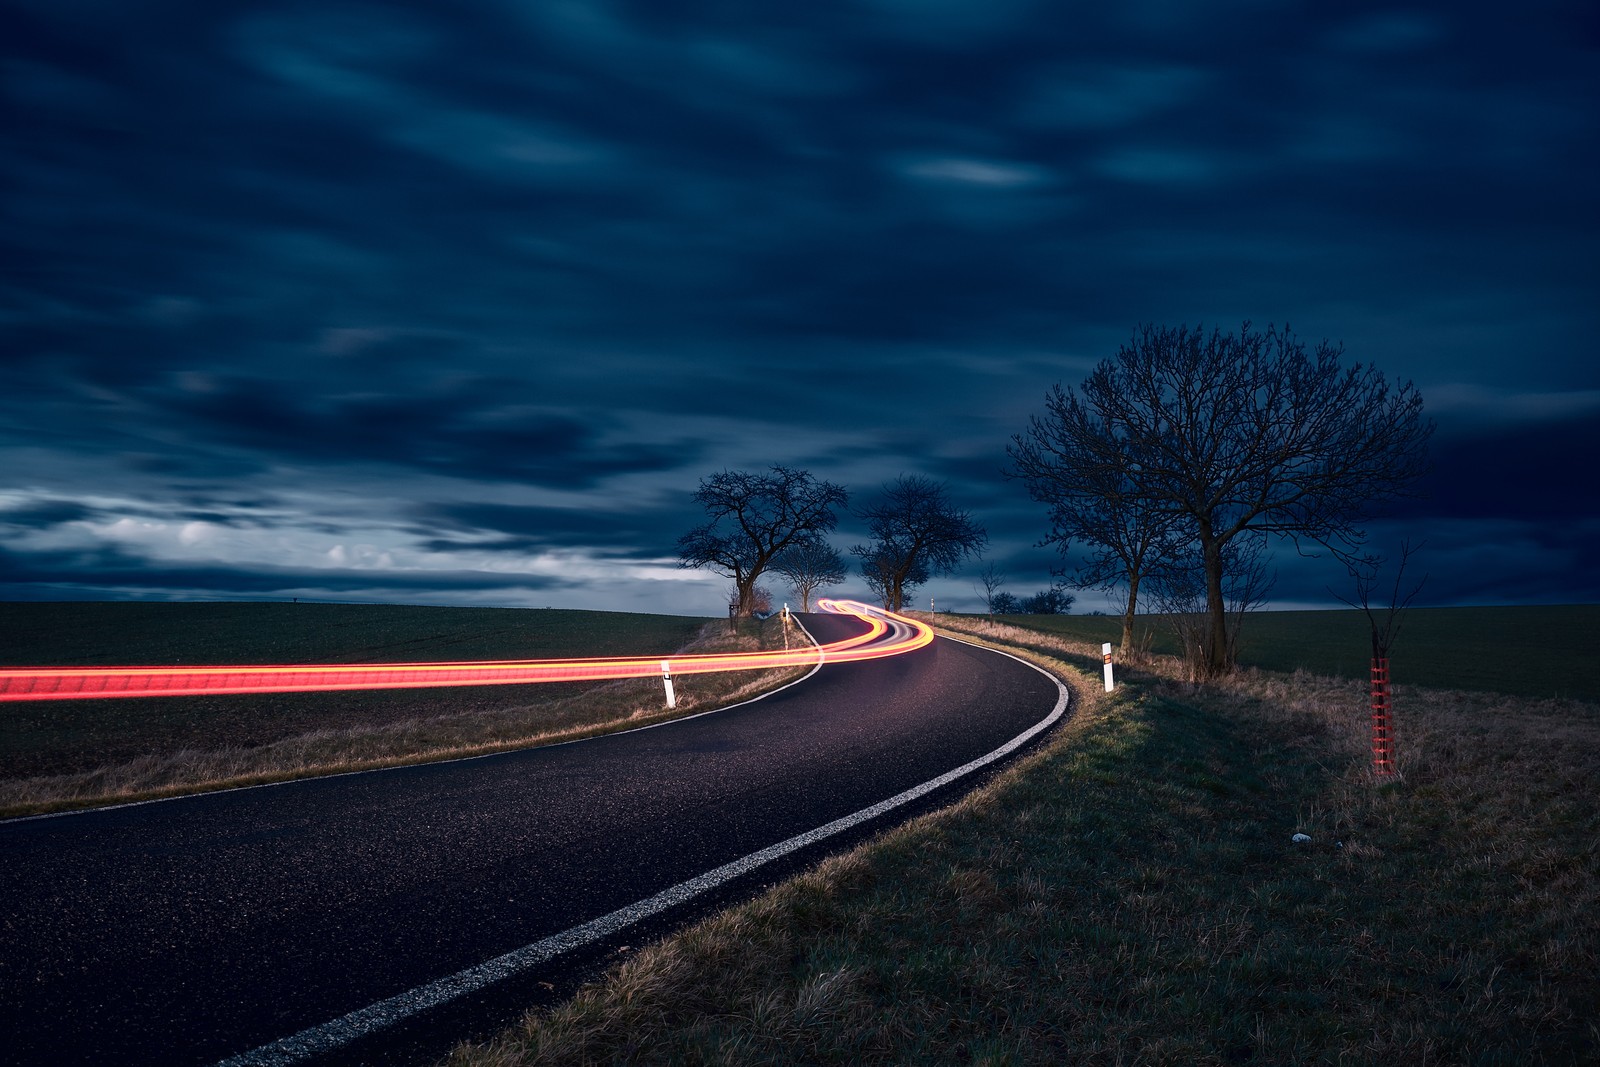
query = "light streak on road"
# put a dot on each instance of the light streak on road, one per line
(888, 634)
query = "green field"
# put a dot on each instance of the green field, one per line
(56, 737)
(1521, 651)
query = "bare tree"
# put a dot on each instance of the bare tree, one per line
(992, 581)
(810, 567)
(916, 533)
(1248, 433)
(1072, 461)
(753, 518)
(1384, 634)
(1384, 620)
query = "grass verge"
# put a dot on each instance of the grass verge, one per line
(364, 731)
(1130, 893)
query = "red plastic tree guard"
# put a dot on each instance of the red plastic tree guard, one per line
(1382, 738)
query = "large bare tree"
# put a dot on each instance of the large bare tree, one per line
(916, 533)
(1227, 434)
(753, 518)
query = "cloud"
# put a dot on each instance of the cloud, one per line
(1158, 165)
(1509, 469)
(43, 513)
(953, 24)
(1503, 561)
(652, 530)
(1389, 32)
(976, 172)
(484, 285)
(110, 572)
(1102, 96)
(1478, 405)
(466, 426)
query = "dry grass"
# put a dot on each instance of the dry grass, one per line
(1129, 894)
(599, 709)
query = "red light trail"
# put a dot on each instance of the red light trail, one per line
(888, 634)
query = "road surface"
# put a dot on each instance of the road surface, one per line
(195, 930)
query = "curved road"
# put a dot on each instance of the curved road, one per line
(194, 930)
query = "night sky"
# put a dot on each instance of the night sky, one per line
(455, 303)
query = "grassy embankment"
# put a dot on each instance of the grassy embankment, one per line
(61, 754)
(1129, 894)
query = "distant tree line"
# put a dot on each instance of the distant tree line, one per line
(991, 587)
(1166, 474)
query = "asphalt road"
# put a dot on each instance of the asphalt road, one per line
(192, 930)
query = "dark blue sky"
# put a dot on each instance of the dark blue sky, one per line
(456, 302)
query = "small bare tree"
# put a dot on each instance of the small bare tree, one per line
(809, 567)
(1384, 622)
(992, 581)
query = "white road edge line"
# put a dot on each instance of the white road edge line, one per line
(334, 1035)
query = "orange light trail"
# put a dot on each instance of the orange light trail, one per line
(887, 634)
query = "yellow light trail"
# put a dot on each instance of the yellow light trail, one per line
(887, 634)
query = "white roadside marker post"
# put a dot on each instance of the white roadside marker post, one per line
(1105, 650)
(666, 680)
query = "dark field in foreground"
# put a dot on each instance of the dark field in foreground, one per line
(1545, 651)
(53, 737)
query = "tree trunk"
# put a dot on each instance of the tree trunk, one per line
(895, 594)
(1215, 652)
(1127, 616)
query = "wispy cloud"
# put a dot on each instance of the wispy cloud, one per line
(347, 294)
